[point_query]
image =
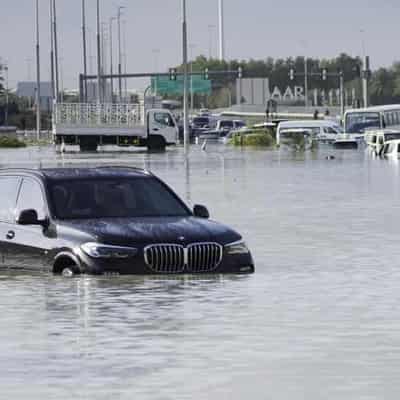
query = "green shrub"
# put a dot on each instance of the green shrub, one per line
(11, 142)
(259, 139)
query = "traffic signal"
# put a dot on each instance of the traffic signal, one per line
(205, 74)
(324, 74)
(172, 74)
(291, 74)
(240, 72)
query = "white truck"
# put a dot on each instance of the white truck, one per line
(90, 125)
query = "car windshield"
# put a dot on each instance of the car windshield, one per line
(358, 122)
(200, 121)
(392, 136)
(114, 198)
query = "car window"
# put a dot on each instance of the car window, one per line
(31, 198)
(8, 198)
(114, 198)
(328, 129)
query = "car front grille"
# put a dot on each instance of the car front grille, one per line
(173, 258)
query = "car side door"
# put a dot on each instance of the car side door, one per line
(32, 244)
(9, 186)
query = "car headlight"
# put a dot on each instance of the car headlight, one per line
(239, 247)
(97, 250)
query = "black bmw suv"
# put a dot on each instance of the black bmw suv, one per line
(109, 220)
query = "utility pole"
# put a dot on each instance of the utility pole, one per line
(221, 31)
(119, 53)
(99, 86)
(185, 81)
(37, 73)
(85, 94)
(55, 48)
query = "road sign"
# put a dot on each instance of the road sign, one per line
(163, 85)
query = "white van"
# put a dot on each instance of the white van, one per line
(376, 140)
(323, 130)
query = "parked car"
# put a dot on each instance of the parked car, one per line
(109, 220)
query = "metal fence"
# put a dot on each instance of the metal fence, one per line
(93, 115)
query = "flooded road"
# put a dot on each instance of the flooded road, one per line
(318, 320)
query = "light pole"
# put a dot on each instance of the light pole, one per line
(156, 53)
(192, 47)
(84, 49)
(53, 89)
(221, 30)
(99, 91)
(6, 110)
(104, 29)
(119, 53)
(111, 58)
(306, 82)
(210, 40)
(185, 81)
(37, 73)
(55, 48)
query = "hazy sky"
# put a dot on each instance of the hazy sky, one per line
(253, 29)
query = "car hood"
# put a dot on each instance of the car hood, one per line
(144, 231)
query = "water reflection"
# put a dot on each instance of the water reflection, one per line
(319, 316)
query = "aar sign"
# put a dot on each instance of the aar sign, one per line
(256, 91)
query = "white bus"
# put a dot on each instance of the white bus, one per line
(380, 117)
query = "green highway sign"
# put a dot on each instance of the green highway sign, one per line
(164, 85)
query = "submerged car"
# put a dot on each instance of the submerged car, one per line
(109, 220)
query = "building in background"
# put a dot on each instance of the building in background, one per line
(27, 90)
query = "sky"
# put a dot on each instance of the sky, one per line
(253, 29)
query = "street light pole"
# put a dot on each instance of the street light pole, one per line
(119, 53)
(6, 110)
(84, 50)
(55, 48)
(99, 88)
(111, 60)
(221, 31)
(191, 46)
(53, 89)
(37, 73)
(306, 81)
(185, 81)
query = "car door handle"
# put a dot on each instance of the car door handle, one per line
(155, 129)
(10, 235)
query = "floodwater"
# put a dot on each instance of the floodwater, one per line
(319, 319)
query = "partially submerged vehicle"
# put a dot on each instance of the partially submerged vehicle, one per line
(376, 140)
(323, 130)
(109, 220)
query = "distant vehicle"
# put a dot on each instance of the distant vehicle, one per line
(359, 121)
(298, 138)
(323, 130)
(201, 124)
(224, 126)
(391, 148)
(91, 125)
(114, 220)
(376, 140)
(204, 111)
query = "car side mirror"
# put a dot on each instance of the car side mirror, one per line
(201, 212)
(30, 217)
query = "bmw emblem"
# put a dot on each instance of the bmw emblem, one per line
(181, 238)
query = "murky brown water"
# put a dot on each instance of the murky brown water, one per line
(318, 320)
